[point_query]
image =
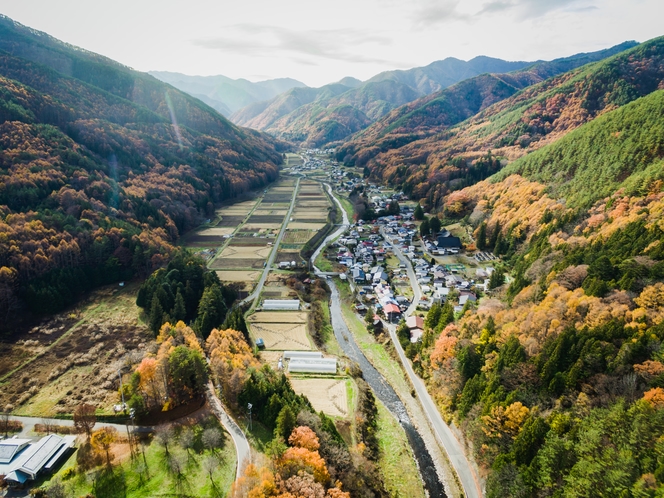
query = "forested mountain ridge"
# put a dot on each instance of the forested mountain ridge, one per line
(101, 169)
(224, 94)
(441, 74)
(319, 116)
(411, 133)
(434, 113)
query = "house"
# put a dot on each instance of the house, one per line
(416, 335)
(413, 322)
(448, 241)
(467, 296)
(392, 312)
(358, 276)
(22, 461)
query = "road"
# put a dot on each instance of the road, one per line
(453, 448)
(242, 448)
(342, 228)
(253, 297)
(30, 422)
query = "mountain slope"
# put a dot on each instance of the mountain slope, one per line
(438, 111)
(556, 374)
(534, 117)
(620, 149)
(444, 73)
(333, 119)
(101, 169)
(373, 99)
(224, 94)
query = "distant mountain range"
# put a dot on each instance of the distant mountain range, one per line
(224, 94)
(331, 113)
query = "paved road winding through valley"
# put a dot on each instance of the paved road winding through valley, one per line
(455, 452)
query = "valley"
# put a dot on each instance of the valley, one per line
(439, 281)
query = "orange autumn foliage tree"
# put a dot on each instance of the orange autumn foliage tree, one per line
(655, 397)
(230, 357)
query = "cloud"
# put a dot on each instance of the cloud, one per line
(433, 12)
(530, 9)
(303, 46)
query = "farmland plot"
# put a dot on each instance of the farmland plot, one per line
(326, 395)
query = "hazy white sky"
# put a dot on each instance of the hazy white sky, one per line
(321, 42)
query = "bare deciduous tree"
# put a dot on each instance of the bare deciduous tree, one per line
(211, 438)
(85, 418)
(164, 436)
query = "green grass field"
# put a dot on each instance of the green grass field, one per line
(153, 474)
(397, 462)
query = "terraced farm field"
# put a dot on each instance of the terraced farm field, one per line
(281, 330)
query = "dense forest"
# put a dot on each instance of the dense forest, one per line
(102, 168)
(428, 167)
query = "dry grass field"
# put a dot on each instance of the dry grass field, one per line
(238, 276)
(73, 358)
(297, 236)
(282, 336)
(328, 395)
(262, 227)
(305, 226)
(236, 264)
(245, 252)
(288, 257)
(270, 211)
(279, 317)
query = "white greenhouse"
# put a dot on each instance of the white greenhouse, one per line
(281, 305)
(305, 355)
(320, 365)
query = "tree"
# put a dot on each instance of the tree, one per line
(4, 419)
(102, 440)
(211, 438)
(211, 311)
(369, 318)
(156, 315)
(179, 309)
(481, 237)
(164, 436)
(434, 224)
(85, 418)
(497, 278)
(418, 214)
(425, 229)
(187, 440)
(188, 372)
(286, 422)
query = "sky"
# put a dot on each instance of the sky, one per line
(321, 42)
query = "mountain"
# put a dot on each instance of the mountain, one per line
(335, 112)
(350, 82)
(557, 373)
(224, 94)
(444, 73)
(320, 116)
(101, 169)
(430, 161)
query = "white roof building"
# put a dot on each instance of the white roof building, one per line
(281, 304)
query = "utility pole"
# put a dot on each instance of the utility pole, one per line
(124, 405)
(249, 405)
